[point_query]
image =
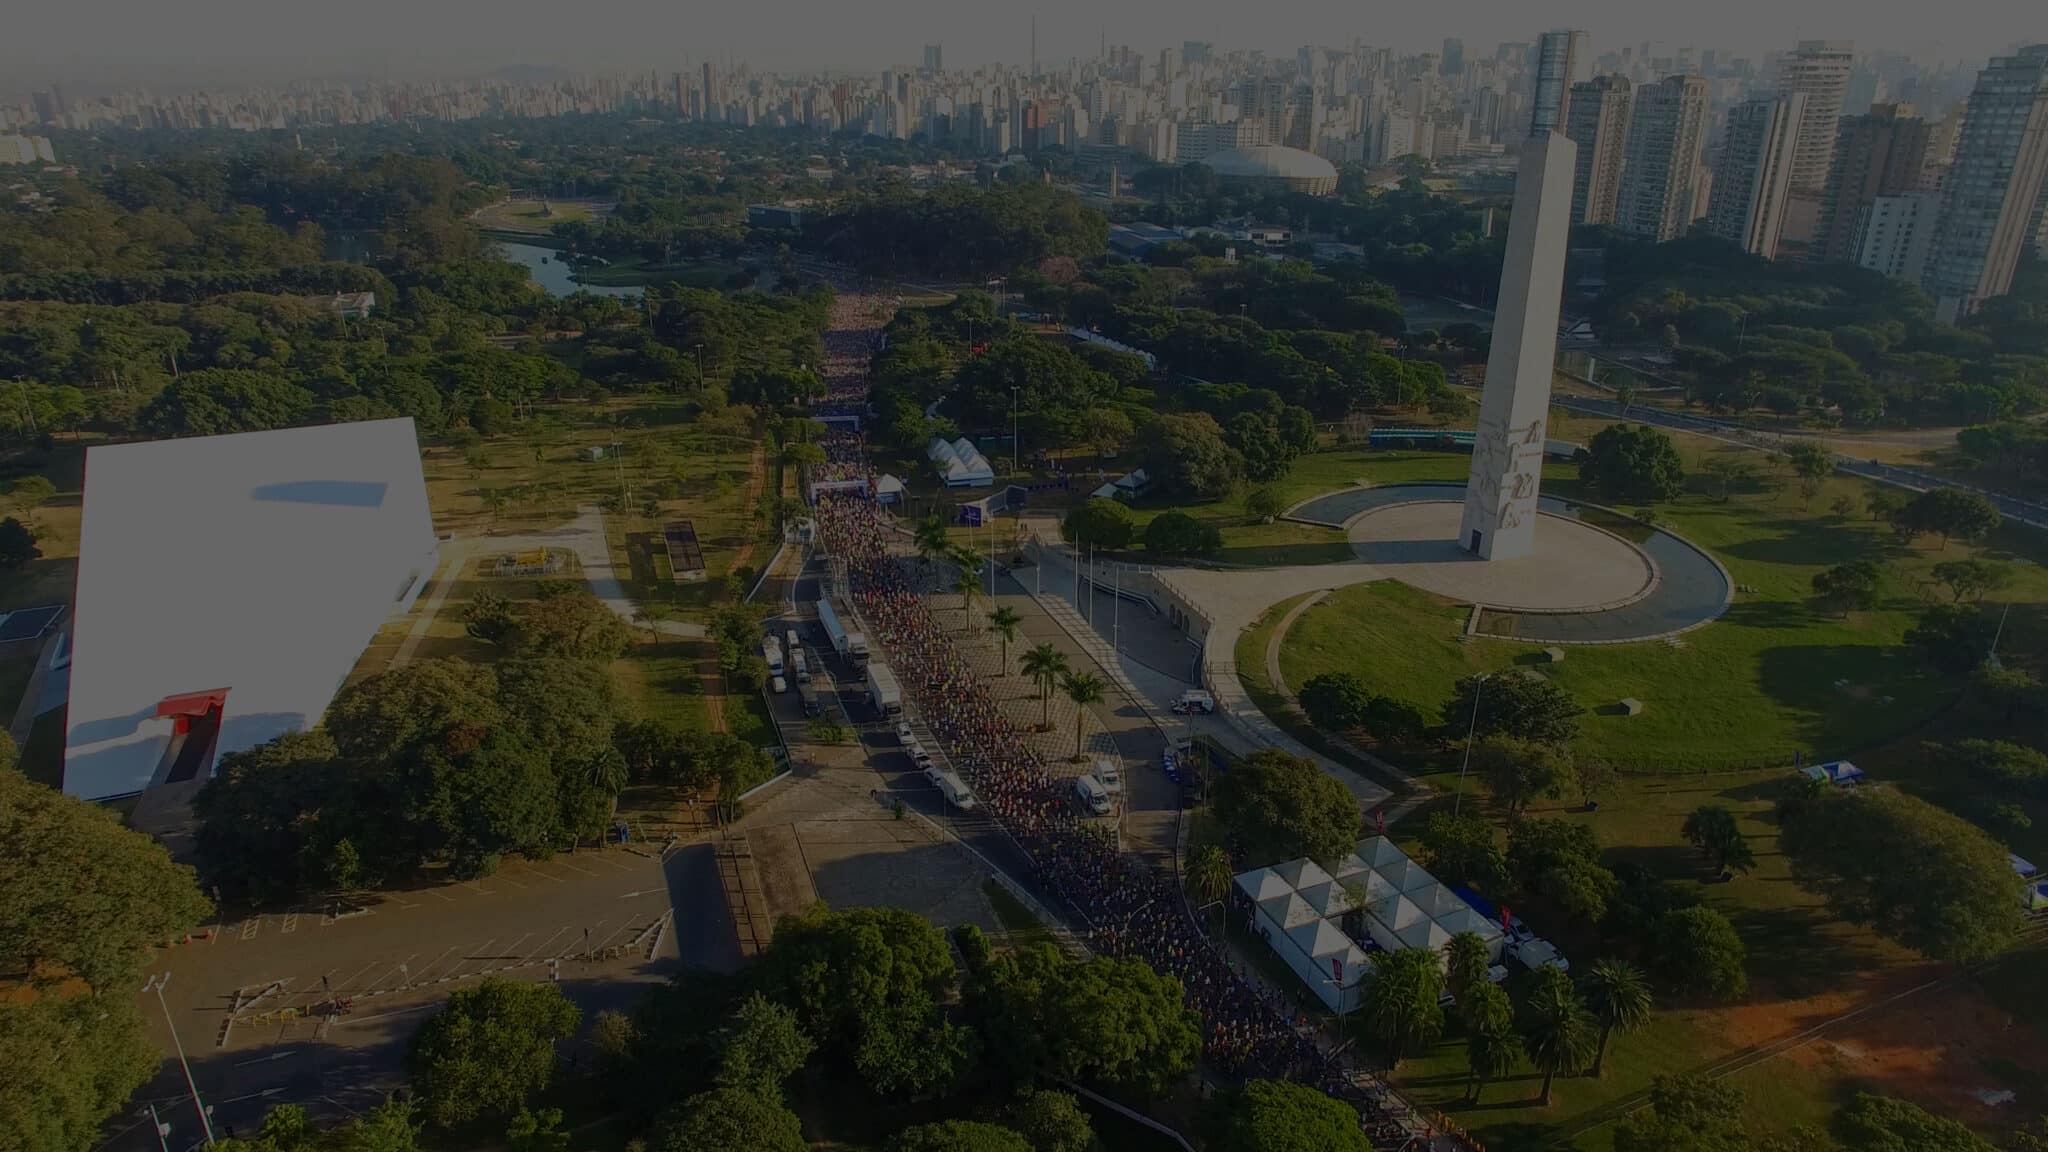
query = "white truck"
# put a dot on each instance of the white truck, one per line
(771, 651)
(850, 645)
(799, 665)
(883, 691)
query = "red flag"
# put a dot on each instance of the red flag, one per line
(1380, 820)
(1505, 916)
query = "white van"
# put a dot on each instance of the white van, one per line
(1194, 701)
(803, 667)
(789, 638)
(1110, 776)
(1092, 794)
(954, 789)
(778, 685)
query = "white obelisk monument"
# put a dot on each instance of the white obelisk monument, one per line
(1507, 453)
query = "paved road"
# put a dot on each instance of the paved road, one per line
(2025, 511)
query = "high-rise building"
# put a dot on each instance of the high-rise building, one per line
(933, 60)
(1558, 57)
(1452, 62)
(1994, 186)
(1597, 121)
(1877, 154)
(1819, 70)
(1755, 172)
(1896, 232)
(1660, 165)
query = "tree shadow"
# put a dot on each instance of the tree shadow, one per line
(1792, 946)
(1670, 861)
(1809, 541)
(1280, 555)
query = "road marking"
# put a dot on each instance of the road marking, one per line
(291, 922)
(357, 976)
(510, 955)
(401, 901)
(480, 952)
(509, 880)
(641, 892)
(546, 875)
(580, 946)
(251, 926)
(478, 887)
(420, 976)
(439, 895)
(543, 944)
(386, 978)
(574, 868)
(269, 1058)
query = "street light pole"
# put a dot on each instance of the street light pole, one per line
(1472, 725)
(156, 984)
(1015, 452)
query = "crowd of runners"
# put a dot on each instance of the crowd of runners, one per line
(1127, 909)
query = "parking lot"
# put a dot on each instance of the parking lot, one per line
(308, 1006)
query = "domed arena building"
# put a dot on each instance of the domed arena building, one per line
(1272, 166)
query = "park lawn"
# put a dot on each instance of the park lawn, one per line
(659, 679)
(633, 272)
(525, 215)
(1803, 965)
(1775, 676)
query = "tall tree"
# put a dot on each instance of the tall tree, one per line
(1712, 829)
(1399, 1006)
(1050, 1121)
(1004, 623)
(73, 939)
(1082, 689)
(1556, 1027)
(1619, 998)
(1519, 772)
(1686, 1114)
(1277, 807)
(1813, 463)
(489, 1050)
(1492, 1046)
(763, 1046)
(1044, 665)
(1696, 952)
(729, 1120)
(1513, 705)
(1633, 463)
(1463, 850)
(1208, 874)
(1465, 963)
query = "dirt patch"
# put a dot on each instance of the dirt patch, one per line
(1942, 1049)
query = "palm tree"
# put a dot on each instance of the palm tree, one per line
(1399, 1007)
(1004, 622)
(1083, 688)
(968, 585)
(1559, 1032)
(1619, 998)
(1492, 1046)
(931, 540)
(1465, 963)
(1044, 664)
(1209, 874)
(608, 775)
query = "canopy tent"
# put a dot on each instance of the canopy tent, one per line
(1424, 934)
(1407, 875)
(940, 452)
(888, 490)
(2021, 867)
(2035, 897)
(1378, 851)
(1260, 885)
(1301, 874)
(1836, 772)
(1328, 898)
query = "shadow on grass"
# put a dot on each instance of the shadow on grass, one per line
(1792, 947)
(1773, 614)
(1802, 540)
(1670, 861)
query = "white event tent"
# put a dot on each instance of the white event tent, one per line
(227, 586)
(960, 464)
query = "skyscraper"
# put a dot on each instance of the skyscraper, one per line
(1818, 70)
(932, 59)
(1597, 121)
(1994, 186)
(1878, 154)
(1896, 233)
(1661, 163)
(1748, 204)
(1558, 56)
(1452, 63)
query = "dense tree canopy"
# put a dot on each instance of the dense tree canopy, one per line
(1112, 1021)
(1955, 902)
(489, 1050)
(1514, 705)
(1633, 463)
(1277, 807)
(1283, 1116)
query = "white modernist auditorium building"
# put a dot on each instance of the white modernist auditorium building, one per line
(226, 587)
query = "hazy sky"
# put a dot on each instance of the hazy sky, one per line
(227, 43)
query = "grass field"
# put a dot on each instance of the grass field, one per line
(1804, 967)
(1778, 674)
(536, 216)
(632, 272)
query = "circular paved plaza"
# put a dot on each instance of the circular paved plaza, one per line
(1573, 567)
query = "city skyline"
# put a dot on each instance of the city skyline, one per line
(90, 49)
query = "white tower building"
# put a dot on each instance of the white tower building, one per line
(1507, 455)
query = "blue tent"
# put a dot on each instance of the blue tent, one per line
(1836, 772)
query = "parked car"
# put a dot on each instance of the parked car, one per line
(1111, 776)
(904, 735)
(778, 685)
(1194, 701)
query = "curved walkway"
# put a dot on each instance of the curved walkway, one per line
(1691, 587)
